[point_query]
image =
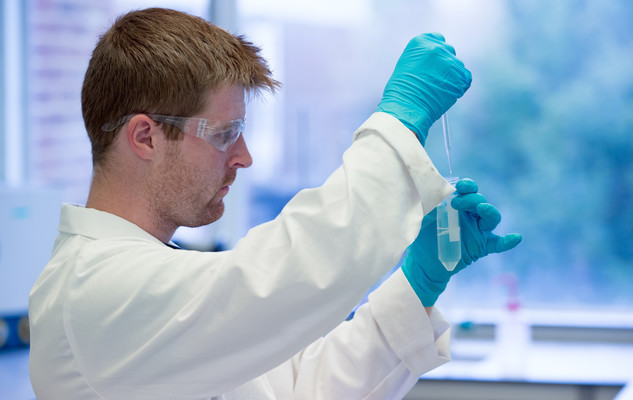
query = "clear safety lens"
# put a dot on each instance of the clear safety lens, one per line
(221, 135)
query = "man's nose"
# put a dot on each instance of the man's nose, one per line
(240, 157)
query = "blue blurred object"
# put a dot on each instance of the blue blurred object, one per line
(14, 331)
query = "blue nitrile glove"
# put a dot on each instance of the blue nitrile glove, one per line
(427, 81)
(477, 219)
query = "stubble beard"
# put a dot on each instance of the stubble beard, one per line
(177, 199)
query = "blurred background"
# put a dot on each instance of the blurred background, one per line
(545, 130)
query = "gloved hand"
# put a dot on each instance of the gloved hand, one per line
(427, 81)
(477, 219)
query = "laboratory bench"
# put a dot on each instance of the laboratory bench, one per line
(553, 361)
(583, 367)
(552, 371)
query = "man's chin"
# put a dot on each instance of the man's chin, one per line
(208, 216)
(214, 213)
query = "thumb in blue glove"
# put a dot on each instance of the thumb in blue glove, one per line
(477, 219)
(427, 81)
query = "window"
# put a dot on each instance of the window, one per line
(60, 37)
(544, 130)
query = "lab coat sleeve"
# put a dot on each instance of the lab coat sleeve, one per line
(207, 323)
(377, 355)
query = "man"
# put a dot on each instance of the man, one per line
(118, 313)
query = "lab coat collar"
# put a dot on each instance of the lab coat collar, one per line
(95, 224)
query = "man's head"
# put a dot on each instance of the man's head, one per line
(163, 62)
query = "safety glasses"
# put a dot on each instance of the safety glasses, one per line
(220, 134)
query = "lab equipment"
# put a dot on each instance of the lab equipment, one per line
(449, 241)
(447, 144)
(427, 81)
(423, 269)
(513, 333)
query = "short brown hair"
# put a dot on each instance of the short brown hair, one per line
(163, 61)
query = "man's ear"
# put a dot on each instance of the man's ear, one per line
(140, 132)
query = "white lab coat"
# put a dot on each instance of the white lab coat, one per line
(116, 314)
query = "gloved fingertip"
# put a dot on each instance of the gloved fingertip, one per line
(468, 79)
(499, 244)
(436, 36)
(467, 201)
(489, 216)
(465, 186)
(512, 240)
(450, 49)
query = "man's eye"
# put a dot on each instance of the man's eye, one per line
(226, 135)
